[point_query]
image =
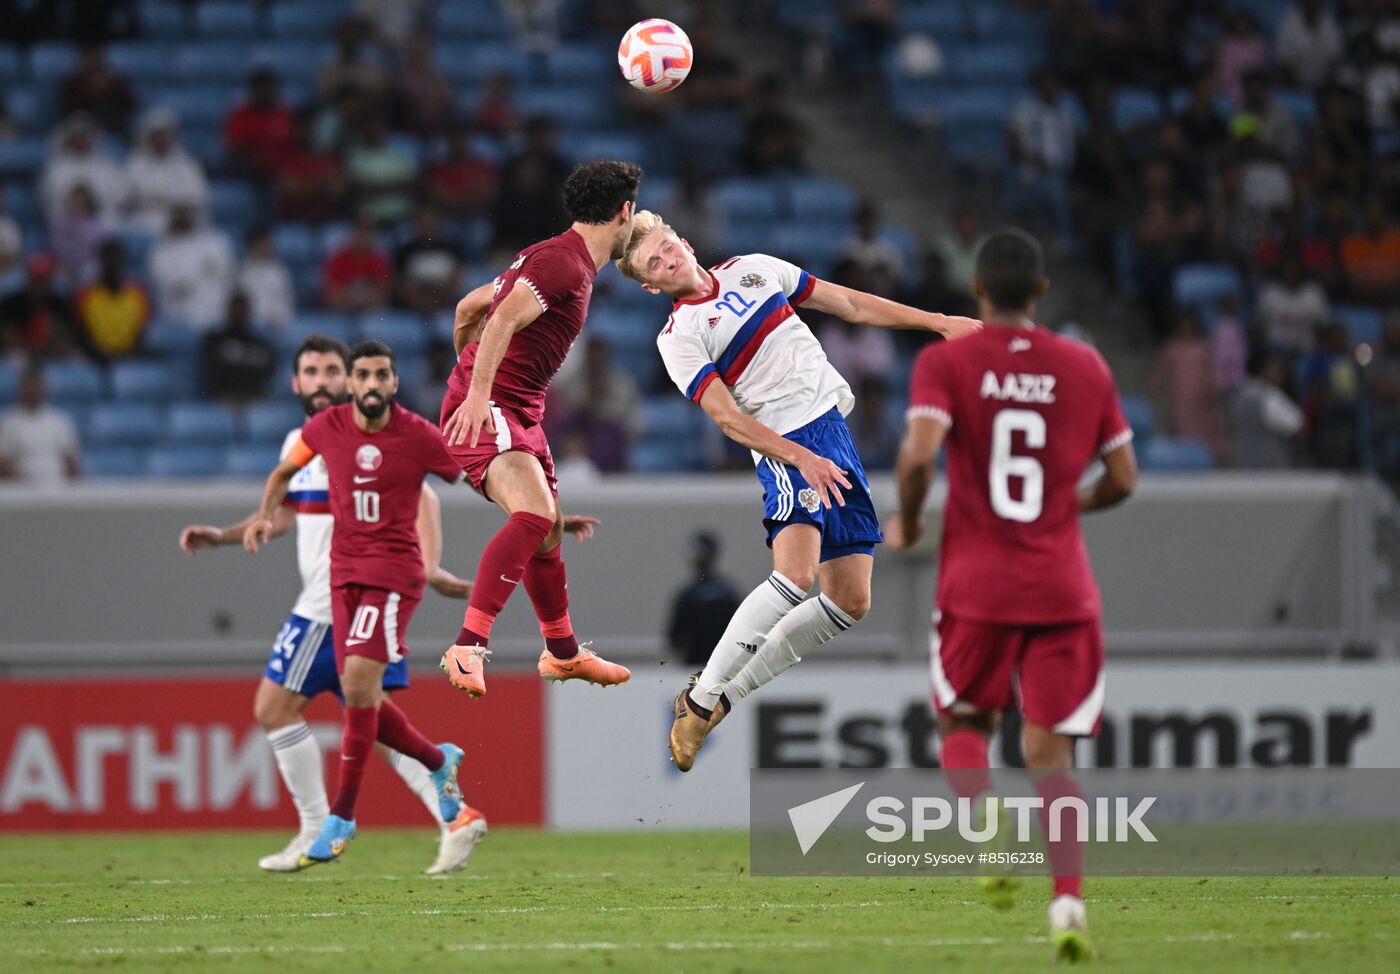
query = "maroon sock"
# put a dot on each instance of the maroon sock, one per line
(397, 732)
(1066, 855)
(964, 759)
(547, 584)
(500, 569)
(361, 727)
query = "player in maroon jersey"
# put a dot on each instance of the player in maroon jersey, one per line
(528, 320)
(1023, 413)
(376, 457)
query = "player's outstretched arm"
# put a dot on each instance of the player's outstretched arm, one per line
(470, 310)
(860, 308)
(1112, 487)
(923, 438)
(198, 537)
(824, 476)
(518, 310)
(442, 581)
(262, 524)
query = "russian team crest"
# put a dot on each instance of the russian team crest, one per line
(752, 280)
(368, 457)
(809, 500)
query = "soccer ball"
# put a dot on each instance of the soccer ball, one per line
(655, 56)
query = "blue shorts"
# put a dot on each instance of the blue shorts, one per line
(788, 499)
(303, 661)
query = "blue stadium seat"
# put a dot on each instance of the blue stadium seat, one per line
(145, 382)
(571, 107)
(32, 108)
(254, 462)
(985, 63)
(979, 105)
(820, 199)
(403, 331)
(9, 382)
(205, 143)
(162, 18)
(296, 243)
(200, 423)
(73, 382)
(1167, 454)
(267, 423)
(108, 462)
(144, 62)
(124, 424)
(174, 462)
(11, 67)
(978, 146)
(195, 105)
(470, 20)
(470, 63)
(661, 455)
(332, 324)
(1300, 104)
(225, 61)
(226, 19)
(672, 417)
(1202, 285)
(1138, 413)
(294, 59)
(945, 21)
(815, 248)
(51, 60)
(584, 63)
(1000, 21)
(1363, 324)
(587, 146)
(301, 19)
(1135, 106)
(746, 200)
(234, 203)
(22, 157)
(172, 339)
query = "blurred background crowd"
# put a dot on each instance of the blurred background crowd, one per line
(191, 188)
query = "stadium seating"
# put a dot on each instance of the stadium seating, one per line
(249, 461)
(73, 381)
(101, 462)
(138, 381)
(1164, 454)
(1202, 285)
(125, 424)
(1363, 324)
(265, 424)
(403, 331)
(200, 423)
(183, 462)
(223, 19)
(1138, 413)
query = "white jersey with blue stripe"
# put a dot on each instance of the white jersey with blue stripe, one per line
(746, 333)
(309, 495)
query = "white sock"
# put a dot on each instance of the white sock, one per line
(419, 781)
(755, 618)
(803, 630)
(298, 757)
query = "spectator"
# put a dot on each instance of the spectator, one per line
(34, 320)
(258, 131)
(700, 611)
(1266, 119)
(574, 466)
(603, 403)
(75, 237)
(1166, 230)
(1291, 307)
(382, 175)
(960, 248)
(1333, 404)
(869, 30)
(357, 275)
(11, 251)
(351, 68)
(1042, 152)
(309, 182)
(426, 99)
(1383, 385)
(1101, 188)
(934, 293)
(1263, 418)
(1341, 128)
(429, 267)
(1240, 50)
(1200, 121)
(880, 261)
(461, 184)
(877, 439)
(192, 269)
(394, 22)
(75, 158)
(534, 24)
(9, 128)
(1184, 373)
(96, 89)
(1380, 85)
(1229, 347)
(529, 206)
(692, 207)
(1371, 258)
(266, 282)
(775, 142)
(161, 174)
(38, 443)
(112, 310)
(237, 363)
(496, 113)
(1308, 43)
(856, 351)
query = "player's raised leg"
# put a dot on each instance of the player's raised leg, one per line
(563, 658)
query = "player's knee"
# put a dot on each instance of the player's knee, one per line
(551, 540)
(854, 604)
(803, 579)
(272, 714)
(1045, 749)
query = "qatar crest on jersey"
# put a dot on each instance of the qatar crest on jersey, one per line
(368, 457)
(752, 280)
(809, 500)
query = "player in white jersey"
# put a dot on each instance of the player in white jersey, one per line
(735, 345)
(302, 663)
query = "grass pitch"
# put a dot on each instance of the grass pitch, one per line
(654, 902)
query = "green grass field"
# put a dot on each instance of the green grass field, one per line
(533, 901)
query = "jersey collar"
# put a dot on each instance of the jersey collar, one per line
(714, 293)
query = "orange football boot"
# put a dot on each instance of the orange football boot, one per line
(465, 667)
(586, 665)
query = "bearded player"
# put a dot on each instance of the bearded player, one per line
(1023, 413)
(735, 344)
(376, 456)
(302, 663)
(512, 336)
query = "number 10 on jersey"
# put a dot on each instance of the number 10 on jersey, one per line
(367, 506)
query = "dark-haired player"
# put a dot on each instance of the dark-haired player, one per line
(376, 457)
(529, 318)
(302, 663)
(1024, 413)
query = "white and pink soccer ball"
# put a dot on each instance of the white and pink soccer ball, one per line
(655, 56)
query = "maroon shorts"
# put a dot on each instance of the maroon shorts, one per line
(370, 622)
(1057, 671)
(512, 433)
